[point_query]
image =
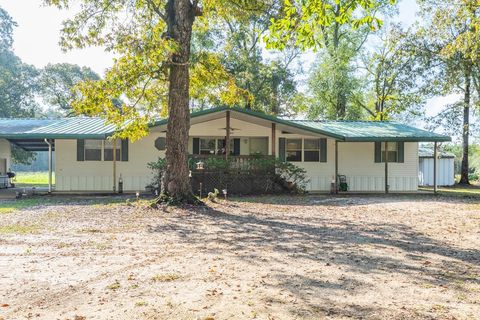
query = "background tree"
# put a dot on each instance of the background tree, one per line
(334, 79)
(396, 81)
(18, 84)
(449, 38)
(57, 83)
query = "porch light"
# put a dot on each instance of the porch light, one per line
(200, 165)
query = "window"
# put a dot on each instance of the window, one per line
(207, 146)
(311, 149)
(294, 149)
(392, 152)
(258, 146)
(221, 146)
(93, 150)
(108, 150)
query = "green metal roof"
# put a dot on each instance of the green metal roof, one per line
(67, 128)
(375, 131)
(96, 128)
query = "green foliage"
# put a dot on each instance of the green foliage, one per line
(20, 156)
(158, 169)
(295, 176)
(302, 21)
(335, 83)
(57, 82)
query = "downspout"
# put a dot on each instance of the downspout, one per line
(49, 165)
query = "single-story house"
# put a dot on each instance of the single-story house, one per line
(445, 167)
(373, 156)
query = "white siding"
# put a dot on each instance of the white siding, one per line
(356, 161)
(6, 154)
(445, 172)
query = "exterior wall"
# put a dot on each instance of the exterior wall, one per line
(73, 175)
(5, 153)
(356, 161)
(445, 172)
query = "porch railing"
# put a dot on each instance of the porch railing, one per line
(240, 163)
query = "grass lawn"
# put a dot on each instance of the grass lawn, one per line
(33, 179)
(271, 257)
(457, 190)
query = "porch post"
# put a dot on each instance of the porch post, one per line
(435, 168)
(386, 167)
(336, 166)
(114, 165)
(49, 142)
(274, 127)
(227, 136)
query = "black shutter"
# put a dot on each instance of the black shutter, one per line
(401, 151)
(323, 150)
(378, 152)
(236, 147)
(124, 149)
(196, 145)
(281, 149)
(80, 150)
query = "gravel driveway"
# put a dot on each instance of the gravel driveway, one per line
(312, 257)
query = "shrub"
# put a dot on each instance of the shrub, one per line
(158, 168)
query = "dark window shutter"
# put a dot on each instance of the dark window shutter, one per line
(236, 147)
(124, 149)
(80, 150)
(378, 152)
(281, 149)
(196, 145)
(401, 151)
(323, 150)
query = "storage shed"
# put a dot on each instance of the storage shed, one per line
(445, 169)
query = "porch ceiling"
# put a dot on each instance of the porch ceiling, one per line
(32, 144)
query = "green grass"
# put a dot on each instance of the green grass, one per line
(457, 190)
(14, 205)
(18, 229)
(33, 179)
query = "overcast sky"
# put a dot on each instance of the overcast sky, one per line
(36, 39)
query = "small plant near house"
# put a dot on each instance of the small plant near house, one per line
(158, 169)
(291, 177)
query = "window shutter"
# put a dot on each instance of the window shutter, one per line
(401, 151)
(196, 145)
(80, 150)
(281, 149)
(378, 152)
(236, 147)
(323, 150)
(124, 149)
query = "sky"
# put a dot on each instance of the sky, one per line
(38, 32)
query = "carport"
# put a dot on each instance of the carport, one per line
(18, 132)
(41, 134)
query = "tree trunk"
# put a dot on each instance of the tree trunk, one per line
(180, 18)
(466, 123)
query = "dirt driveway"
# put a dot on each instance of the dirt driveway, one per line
(314, 257)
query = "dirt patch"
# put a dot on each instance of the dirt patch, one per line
(397, 257)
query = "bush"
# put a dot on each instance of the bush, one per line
(158, 168)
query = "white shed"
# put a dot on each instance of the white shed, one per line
(445, 168)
